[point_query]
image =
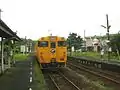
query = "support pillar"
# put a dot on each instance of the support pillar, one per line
(14, 52)
(2, 57)
(9, 55)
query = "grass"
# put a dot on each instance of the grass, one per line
(87, 54)
(39, 82)
(18, 57)
(95, 55)
(90, 54)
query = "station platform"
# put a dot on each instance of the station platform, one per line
(111, 61)
(17, 77)
(111, 65)
(5, 68)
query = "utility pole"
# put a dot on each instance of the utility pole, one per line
(108, 27)
(84, 41)
(49, 32)
(0, 13)
(108, 36)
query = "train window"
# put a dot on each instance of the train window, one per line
(43, 43)
(52, 45)
(61, 43)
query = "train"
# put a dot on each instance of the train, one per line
(51, 52)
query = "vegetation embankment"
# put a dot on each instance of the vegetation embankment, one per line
(19, 57)
(39, 82)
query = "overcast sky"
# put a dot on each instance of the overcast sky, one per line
(33, 18)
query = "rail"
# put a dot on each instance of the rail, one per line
(95, 73)
(57, 86)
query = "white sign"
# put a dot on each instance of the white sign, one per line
(73, 49)
(102, 52)
(22, 48)
(110, 49)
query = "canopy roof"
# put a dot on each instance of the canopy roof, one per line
(6, 32)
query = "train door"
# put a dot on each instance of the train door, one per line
(53, 51)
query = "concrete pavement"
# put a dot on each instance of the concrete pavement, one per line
(19, 77)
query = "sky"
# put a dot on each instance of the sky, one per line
(37, 18)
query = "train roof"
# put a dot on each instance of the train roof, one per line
(47, 38)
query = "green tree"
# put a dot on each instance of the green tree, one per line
(74, 40)
(115, 43)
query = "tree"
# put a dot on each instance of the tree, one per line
(74, 40)
(115, 43)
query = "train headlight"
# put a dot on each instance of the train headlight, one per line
(61, 59)
(41, 53)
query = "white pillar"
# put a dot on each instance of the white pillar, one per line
(2, 51)
(14, 61)
(9, 55)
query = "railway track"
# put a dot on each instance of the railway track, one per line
(114, 75)
(103, 74)
(61, 82)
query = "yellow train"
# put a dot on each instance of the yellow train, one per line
(51, 51)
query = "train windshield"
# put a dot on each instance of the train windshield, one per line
(43, 43)
(52, 45)
(61, 44)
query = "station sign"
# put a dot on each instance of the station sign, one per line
(52, 38)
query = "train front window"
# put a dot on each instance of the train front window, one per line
(43, 43)
(61, 44)
(52, 45)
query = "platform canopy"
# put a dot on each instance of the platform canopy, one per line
(7, 33)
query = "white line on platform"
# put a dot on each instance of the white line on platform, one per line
(30, 88)
(31, 73)
(30, 79)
